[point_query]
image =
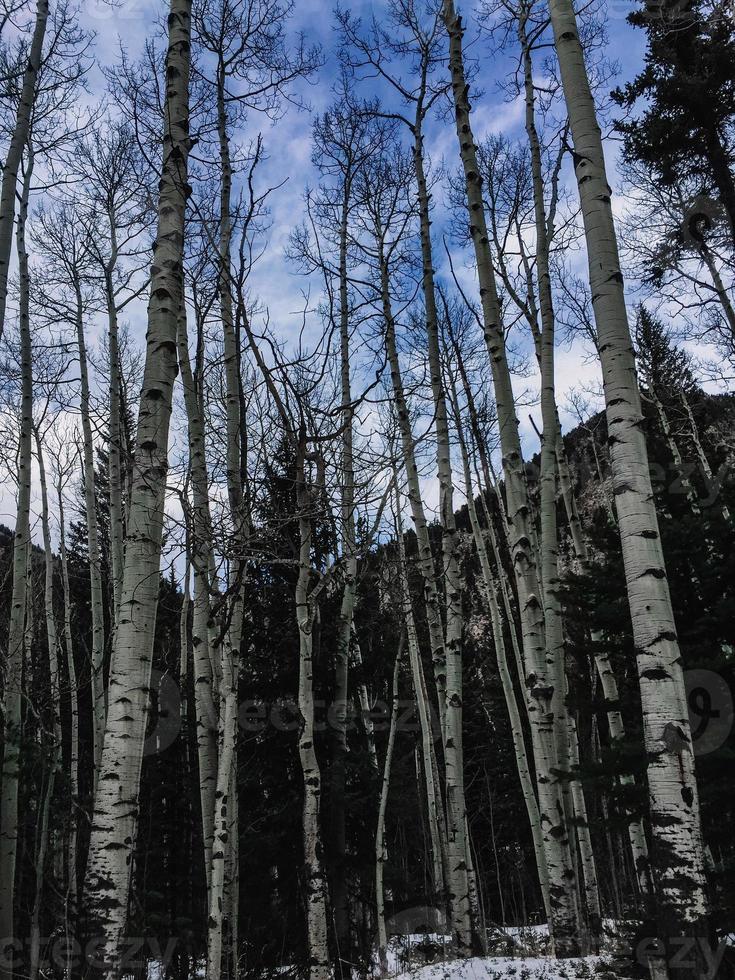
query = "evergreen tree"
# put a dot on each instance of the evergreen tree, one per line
(686, 96)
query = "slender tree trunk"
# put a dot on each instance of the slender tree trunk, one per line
(566, 731)
(117, 513)
(93, 545)
(540, 671)
(72, 869)
(636, 833)
(314, 884)
(223, 802)
(722, 294)
(452, 710)
(55, 755)
(18, 140)
(671, 442)
(364, 700)
(701, 454)
(678, 857)
(201, 559)
(516, 727)
(340, 903)
(381, 851)
(234, 433)
(18, 602)
(426, 557)
(434, 804)
(116, 803)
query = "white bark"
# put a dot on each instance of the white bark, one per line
(496, 620)
(539, 670)
(55, 700)
(16, 148)
(306, 612)
(112, 840)
(223, 795)
(72, 870)
(678, 853)
(201, 559)
(566, 730)
(364, 700)
(93, 545)
(381, 851)
(459, 898)
(345, 625)
(701, 454)
(117, 514)
(19, 599)
(434, 804)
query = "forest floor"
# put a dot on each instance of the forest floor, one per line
(517, 954)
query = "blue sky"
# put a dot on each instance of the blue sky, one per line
(288, 145)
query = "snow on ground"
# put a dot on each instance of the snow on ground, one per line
(514, 968)
(518, 953)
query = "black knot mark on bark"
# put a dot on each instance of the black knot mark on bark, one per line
(654, 572)
(674, 739)
(649, 534)
(656, 674)
(687, 795)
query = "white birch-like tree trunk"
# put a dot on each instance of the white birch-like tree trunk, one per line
(315, 885)
(539, 670)
(496, 620)
(381, 850)
(19, 598)
(223, 796)
(363, 700)
(117, 512)
(201, 560)
(340, 903)
(16, 148)
(457, 845)
(678, 857)
(434, 803)
(566, 730)
(71, 863)
(112, 841)
(701, 454)
(55, 701)
(93, 544)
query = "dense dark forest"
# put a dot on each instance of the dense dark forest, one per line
(367, 489)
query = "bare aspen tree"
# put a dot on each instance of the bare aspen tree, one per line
(18, 602)
(55, 699)
(201, 560)
(701, 454)
(115, 214)
(678, 858)
(342, 144)
(434, 803)
(490, 595)
(308, 494)
(16, 149)
(381, 853)
(62, 472)
(388, 243)
(107, 880)
(63, 240)
(540, 671)
(422, 41)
